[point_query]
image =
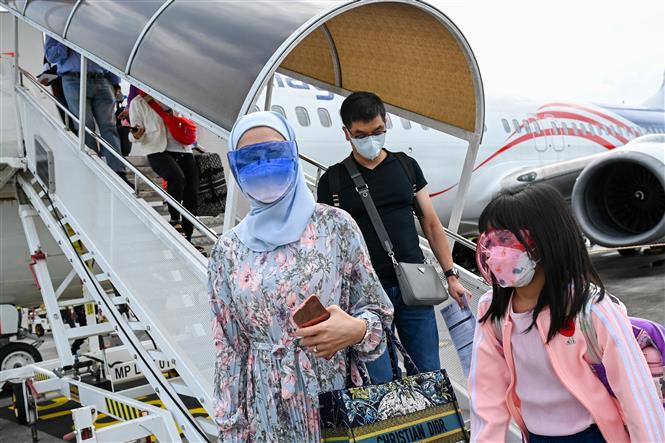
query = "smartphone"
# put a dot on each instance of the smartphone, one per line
(310, 312)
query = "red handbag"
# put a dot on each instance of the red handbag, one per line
(182, 129)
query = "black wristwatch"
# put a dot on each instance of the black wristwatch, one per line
(452, 272)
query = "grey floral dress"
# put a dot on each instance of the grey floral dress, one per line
(266, 384)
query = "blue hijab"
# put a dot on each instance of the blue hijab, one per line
(270, 225)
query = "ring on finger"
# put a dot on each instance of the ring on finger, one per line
(315, 349)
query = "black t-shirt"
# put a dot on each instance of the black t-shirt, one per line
(392, 192)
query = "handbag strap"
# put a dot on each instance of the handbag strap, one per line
(366, 198)
(393, 344)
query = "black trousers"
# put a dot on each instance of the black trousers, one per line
(182, 178)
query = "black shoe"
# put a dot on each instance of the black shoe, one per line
(123, 176)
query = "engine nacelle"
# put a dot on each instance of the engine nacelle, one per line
(619, 199)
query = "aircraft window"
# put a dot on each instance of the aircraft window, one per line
(516, 124)
(389, 122)
(278, 109)
(555, 129)
(324, 117)
(565, 129)
(254, 109)
(527, 127)
(583, 130)
(574, 129)
(537, 126)
(303, 116)
(406, 124)
(506, 126)
(425, 128)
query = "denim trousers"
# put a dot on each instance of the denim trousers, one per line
(589, 435)
(416, 326)
(100, 109)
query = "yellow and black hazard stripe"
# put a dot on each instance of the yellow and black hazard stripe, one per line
(41, 377)
(122, 411)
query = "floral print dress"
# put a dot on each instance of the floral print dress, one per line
(266, 383)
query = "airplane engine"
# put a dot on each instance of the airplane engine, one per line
(619, 199)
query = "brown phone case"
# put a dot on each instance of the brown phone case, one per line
(310, 312)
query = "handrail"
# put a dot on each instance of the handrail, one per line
(212, 235)
(208, 232)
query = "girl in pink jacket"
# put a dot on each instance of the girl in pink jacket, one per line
(529, 352)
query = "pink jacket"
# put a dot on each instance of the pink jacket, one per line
(492, 378)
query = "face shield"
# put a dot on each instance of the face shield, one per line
(265, 171)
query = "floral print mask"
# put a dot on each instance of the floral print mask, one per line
(500, 254)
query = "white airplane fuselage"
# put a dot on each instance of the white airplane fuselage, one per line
(519, 134)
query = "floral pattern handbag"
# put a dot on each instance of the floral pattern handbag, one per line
(416, 408)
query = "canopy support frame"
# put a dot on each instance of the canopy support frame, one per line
(143, 33)
(69, 19)
(202, 121)
(334, 55)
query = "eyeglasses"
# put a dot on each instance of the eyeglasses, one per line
(373, 134)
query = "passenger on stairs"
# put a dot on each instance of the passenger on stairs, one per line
(287, 248)
(102, 87)
(169, 158)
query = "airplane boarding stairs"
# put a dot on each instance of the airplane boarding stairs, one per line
(160, 276)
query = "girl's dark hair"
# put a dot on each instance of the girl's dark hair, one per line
(558, 245)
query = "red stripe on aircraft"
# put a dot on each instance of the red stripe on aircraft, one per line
(592, 111)
(542, 133)
(573, 116)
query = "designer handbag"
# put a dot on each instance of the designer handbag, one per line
(419, 283)
(416, 408)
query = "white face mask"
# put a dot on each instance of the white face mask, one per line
(370, 147)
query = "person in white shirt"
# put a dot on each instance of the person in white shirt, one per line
(171, 160)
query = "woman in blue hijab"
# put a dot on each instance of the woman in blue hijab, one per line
(268, 372)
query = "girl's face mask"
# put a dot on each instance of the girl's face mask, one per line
(500, 254)
(265, 171)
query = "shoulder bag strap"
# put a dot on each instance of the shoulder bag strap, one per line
(411, 173)
(363, 191)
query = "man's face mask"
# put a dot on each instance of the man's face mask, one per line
(500, 254)
(370, 146)
(265, 171)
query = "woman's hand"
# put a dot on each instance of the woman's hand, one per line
(340, 331)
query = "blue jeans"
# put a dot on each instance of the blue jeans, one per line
(416, 326)
(100, 108)
(589, 435)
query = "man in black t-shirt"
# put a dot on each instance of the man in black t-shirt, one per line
(391, 189)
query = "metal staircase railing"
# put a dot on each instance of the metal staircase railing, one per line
(185, 295)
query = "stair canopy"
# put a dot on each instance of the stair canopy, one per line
(214, 58)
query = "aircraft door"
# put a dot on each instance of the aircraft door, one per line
(539, 134)
(558, 142)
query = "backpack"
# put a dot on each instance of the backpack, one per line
(649, 335)
(334, 180)
(182, 129)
